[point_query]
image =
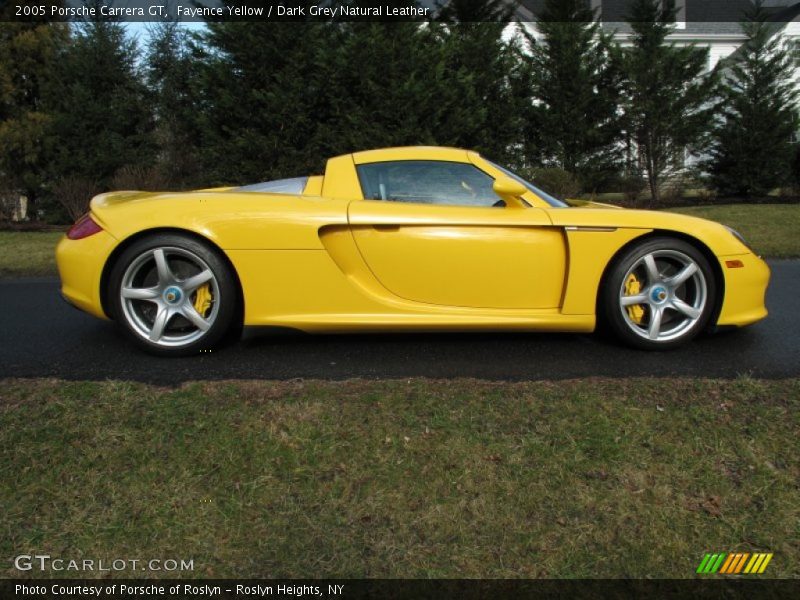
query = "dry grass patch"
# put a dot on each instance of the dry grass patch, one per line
(771, 229)
(27, 253)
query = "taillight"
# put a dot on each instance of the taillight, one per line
(83, 227)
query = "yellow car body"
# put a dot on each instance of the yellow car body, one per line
(329, 260)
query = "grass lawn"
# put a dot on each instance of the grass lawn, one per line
(24, 253)
(411, 478)
(772, 229)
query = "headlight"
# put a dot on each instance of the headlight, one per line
(739, 237)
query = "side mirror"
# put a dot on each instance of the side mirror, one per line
(510, 191)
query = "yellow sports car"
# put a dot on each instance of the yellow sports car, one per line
(401, 239)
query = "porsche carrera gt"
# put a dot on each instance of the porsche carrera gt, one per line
(402, 239)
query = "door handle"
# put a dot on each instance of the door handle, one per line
(382, 227)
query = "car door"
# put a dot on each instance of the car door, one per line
(434, 232)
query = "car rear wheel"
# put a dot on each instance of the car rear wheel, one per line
(173, 295)
(659, 294)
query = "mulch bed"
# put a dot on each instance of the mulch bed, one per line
(30, 226)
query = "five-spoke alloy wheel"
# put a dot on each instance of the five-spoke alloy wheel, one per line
(659, 294)
(172, 294)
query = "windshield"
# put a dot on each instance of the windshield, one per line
(549, 198)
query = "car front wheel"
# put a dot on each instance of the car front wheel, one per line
(173, 295)
(659, 294)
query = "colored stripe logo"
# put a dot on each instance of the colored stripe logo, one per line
(734, 563)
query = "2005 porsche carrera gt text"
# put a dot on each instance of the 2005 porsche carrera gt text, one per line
(420, 238)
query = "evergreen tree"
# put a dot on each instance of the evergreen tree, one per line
(475, 11)
(483, 88)
(172, 72)
(101, 111)
(29, 52)
(263, 94)
(384, 88)
(575, 121)
(279, 99)
(752, 151)
(407, 84)
(669, 104)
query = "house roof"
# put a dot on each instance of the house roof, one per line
(702, 17)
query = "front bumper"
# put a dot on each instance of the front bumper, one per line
(745, 290)
(80, 267)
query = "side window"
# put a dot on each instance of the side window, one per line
(427, 182)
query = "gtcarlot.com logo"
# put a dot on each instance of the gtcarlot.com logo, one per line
(734, 563)
(45, 562)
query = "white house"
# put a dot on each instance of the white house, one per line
(715, 24)
(711, 23)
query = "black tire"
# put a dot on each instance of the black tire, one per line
(675, 312)
(137, 268)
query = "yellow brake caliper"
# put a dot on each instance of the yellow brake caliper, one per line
(632, 287)
(202, 300)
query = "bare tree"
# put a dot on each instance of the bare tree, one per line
(74, 194)
(133, 177)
